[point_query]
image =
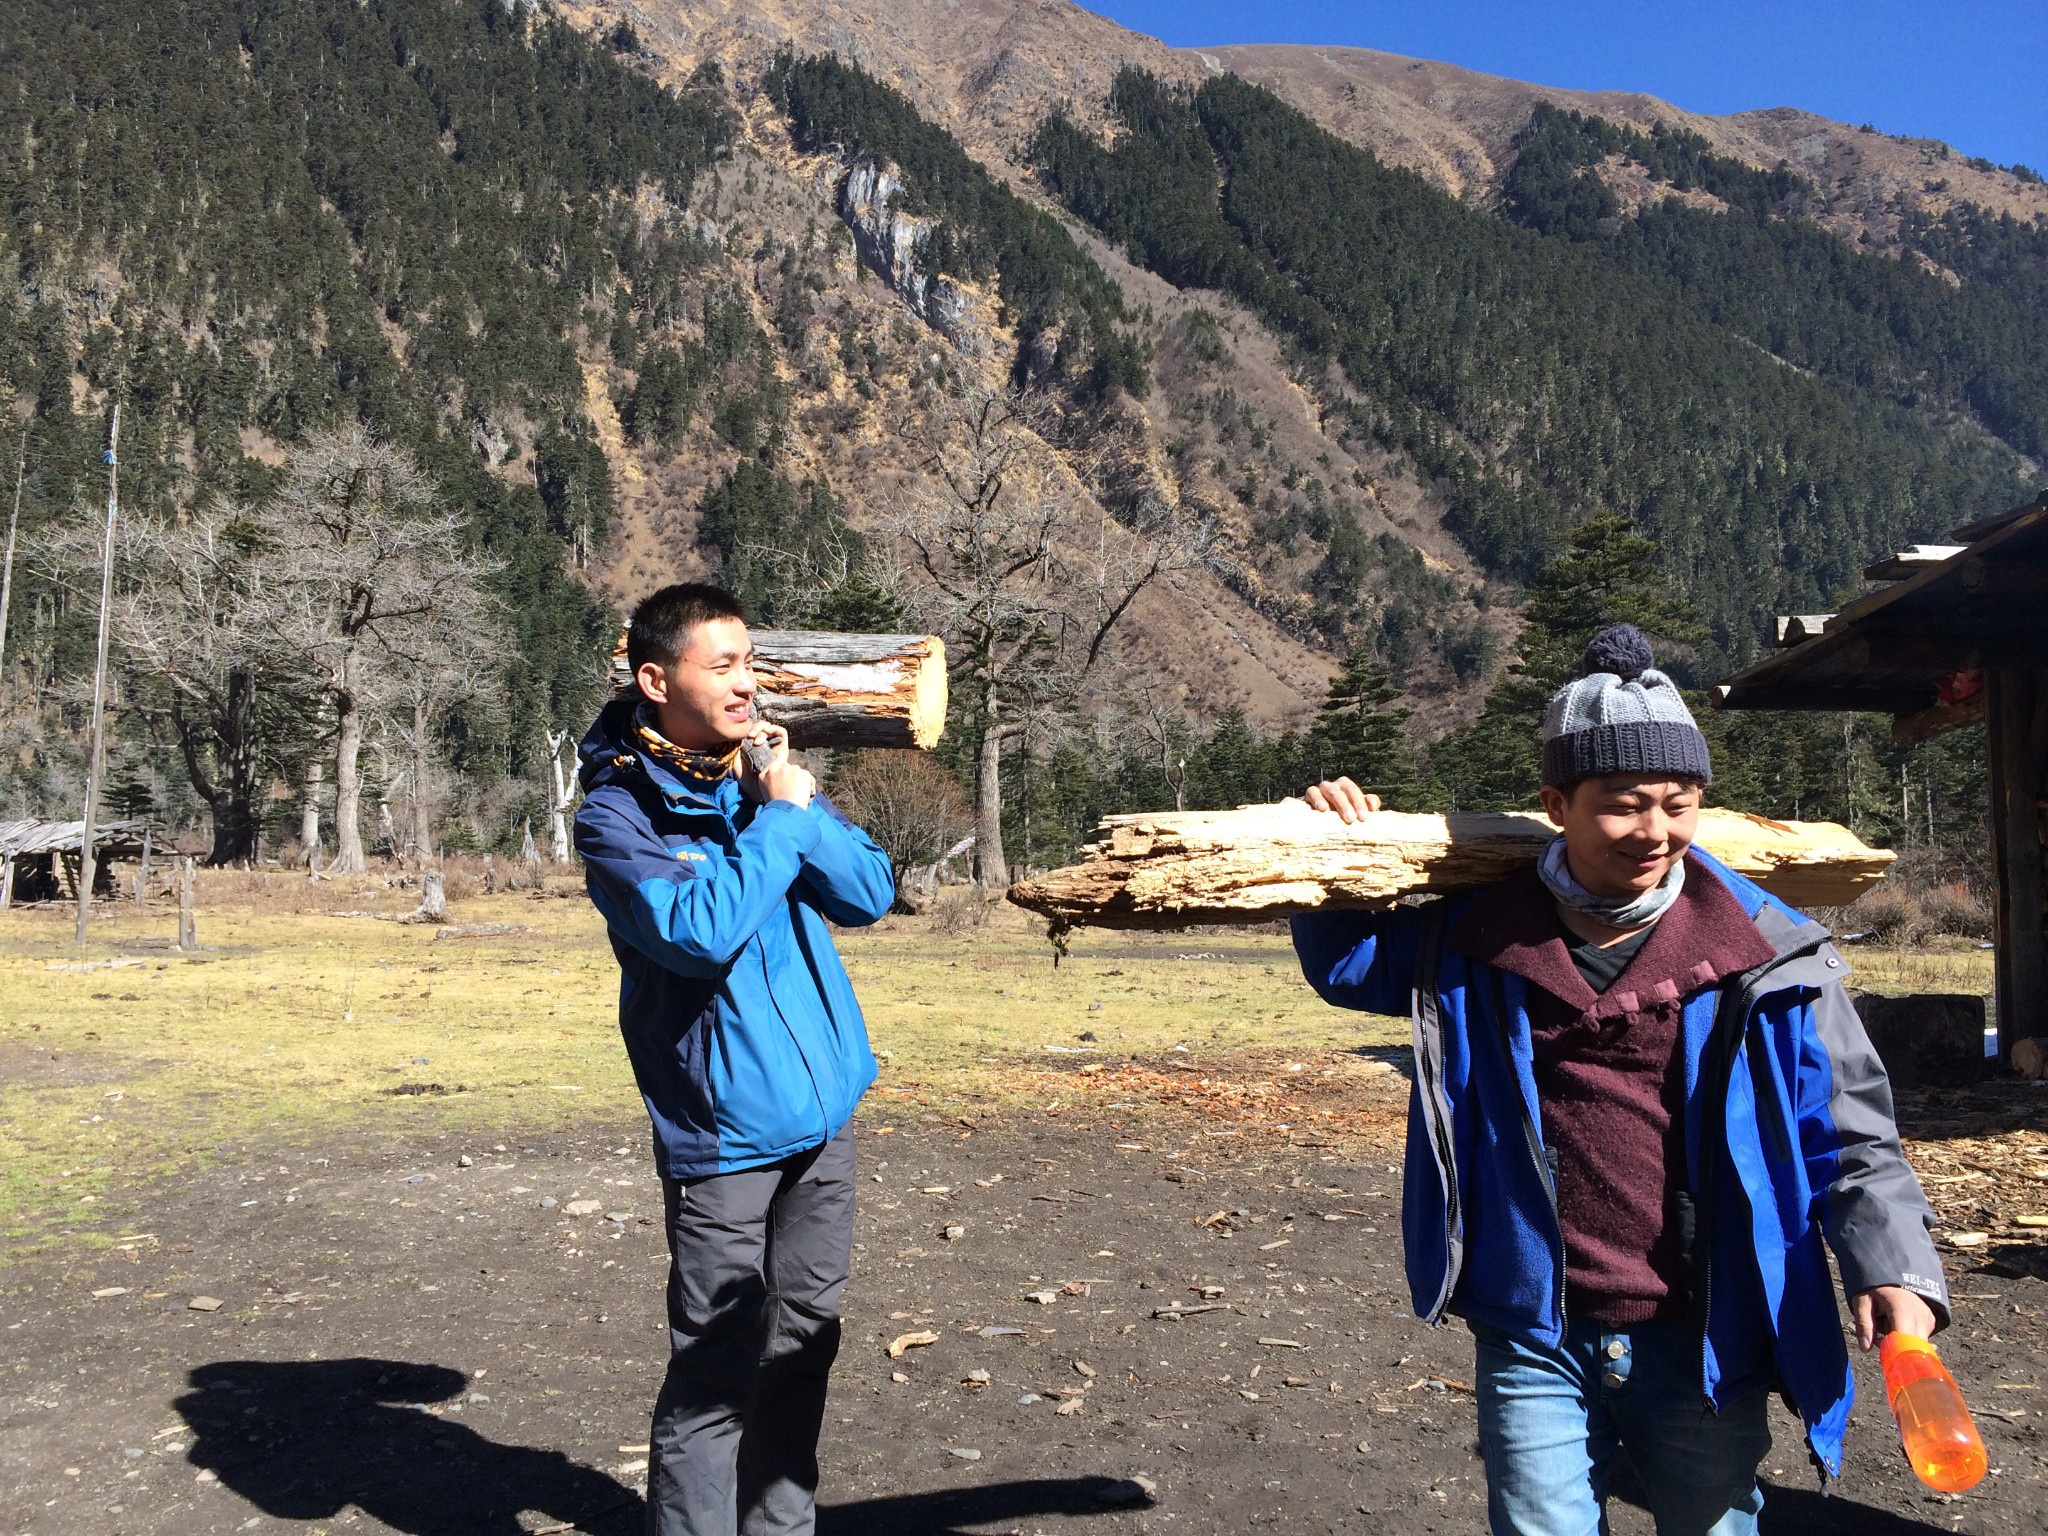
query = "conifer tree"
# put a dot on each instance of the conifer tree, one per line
(1608, 575)
(1359, 734)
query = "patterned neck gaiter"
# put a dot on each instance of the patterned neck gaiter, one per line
(690, 763)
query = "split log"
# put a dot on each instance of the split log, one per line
(842, 690)
(1177, 869)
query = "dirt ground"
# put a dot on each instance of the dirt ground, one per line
(405, 1342)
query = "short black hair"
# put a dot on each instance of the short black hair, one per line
(659, 630)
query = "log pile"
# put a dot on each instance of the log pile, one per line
(1178, 869)
(842, 690)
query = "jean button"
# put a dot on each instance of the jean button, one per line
(1616, 1349)
(1615, 1379)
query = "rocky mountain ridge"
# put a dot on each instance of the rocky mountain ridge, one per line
(989, 71)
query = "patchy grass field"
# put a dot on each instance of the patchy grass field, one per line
(304, 1018)
(289, 1239)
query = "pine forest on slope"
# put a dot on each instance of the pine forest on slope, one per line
(479, 230)
(1535, 379)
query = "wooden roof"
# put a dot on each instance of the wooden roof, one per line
(31, 836)
(1908, 648)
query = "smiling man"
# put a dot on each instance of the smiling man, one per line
(717, 882)
(1642, 1101)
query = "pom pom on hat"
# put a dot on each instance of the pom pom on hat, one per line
(1620, 649)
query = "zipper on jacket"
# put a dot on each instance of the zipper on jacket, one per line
(1724, 1045)
(1530, 1137)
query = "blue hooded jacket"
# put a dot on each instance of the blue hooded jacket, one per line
(738, 1017)
(1788, 1131)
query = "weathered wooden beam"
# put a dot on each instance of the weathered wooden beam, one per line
(843, 690)
(1938, 719)
(1910, 562)
(1177, 869)
(2016, 749)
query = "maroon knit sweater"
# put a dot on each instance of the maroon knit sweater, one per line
(1610, 1079)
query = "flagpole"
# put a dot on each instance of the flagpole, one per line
(7, 566)
(97, 749)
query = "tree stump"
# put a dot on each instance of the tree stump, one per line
(433, 907)
(188, 924)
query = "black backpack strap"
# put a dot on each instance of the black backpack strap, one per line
(1429, 950)
(1427, 1016)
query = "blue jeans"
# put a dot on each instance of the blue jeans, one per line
(1551, 1420)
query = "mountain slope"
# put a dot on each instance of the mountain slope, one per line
(1823, 495)
(1457, 128)
(601, 276)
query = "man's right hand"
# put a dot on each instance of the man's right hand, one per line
(1343, 797)
(784, 780)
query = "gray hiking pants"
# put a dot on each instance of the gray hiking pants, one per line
(757, 1262)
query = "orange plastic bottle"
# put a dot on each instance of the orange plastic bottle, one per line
(1935, 1426)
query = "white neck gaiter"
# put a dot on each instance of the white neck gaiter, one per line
(1556, 874)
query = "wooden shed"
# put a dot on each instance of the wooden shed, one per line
(39, 859)
(1958, 634)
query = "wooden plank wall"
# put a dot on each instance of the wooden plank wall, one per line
(2016, 742)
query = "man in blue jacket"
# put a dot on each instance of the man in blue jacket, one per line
(1642, 1101)
(717, 882)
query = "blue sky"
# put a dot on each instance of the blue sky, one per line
(1971, 72)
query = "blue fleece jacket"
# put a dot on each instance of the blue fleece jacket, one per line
(738, 1017)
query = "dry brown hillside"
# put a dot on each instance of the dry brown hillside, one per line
(1230, 430)
(990, 69)
(1211, 638)
(1227, 429)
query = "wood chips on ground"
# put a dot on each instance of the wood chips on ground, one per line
(1982, 1156)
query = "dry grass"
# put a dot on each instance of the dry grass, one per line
(1943, 966)
(299, 1022)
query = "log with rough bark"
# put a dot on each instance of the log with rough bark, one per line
(843, 690)
(1175, 869)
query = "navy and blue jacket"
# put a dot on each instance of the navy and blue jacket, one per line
(1789, 1140)
(738, 1017)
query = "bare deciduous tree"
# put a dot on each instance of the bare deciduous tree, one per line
(1024, 575)
(194, 611)
(561, 788)
(375, 579)
(436, 667)
(905, 801)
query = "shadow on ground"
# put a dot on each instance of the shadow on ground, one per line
(1808, 1512)
(944, 1514)
(1791, 1510)
(302, 1440)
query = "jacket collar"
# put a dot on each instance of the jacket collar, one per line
(610, 753)
(1707, 935)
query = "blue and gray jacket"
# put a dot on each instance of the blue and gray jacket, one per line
(1789, 1138)
(739, 1020)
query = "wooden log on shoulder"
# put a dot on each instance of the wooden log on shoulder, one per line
(1179, 869)
(843, 690)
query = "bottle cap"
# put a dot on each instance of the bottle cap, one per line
(1895, 1344)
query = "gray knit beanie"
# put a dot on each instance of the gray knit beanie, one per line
(1621, 716)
